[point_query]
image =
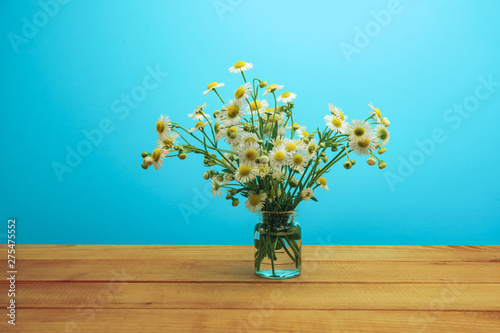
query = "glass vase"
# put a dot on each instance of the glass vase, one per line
(278, 245)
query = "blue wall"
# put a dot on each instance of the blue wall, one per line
(432, 67)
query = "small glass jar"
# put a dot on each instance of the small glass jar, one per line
(278, 245)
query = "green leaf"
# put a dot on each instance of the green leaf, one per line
(256, 243)
(314, 199)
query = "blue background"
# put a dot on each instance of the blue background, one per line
(72, 74)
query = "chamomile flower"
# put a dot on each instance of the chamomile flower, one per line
(217, 125)
(233, 112)
(245, 173)
(376, 113)
(322, 183)
(296, 127)
(198, 113)
(298, 162)
(363, 145)
(272, 88)
(293, 145)
(278, 141)
(248, 154)
(256, 201)
(336, 124)
(212, 86)
(198, 126)
(216, 186)
(243, 92)
(248, 138)
(271, 117)
(258, 106)
(311, 148)
(240, 66)
(158, 155)
(307, 194)
(286, 97)
(232, 134)
(263, 170)
(358, 129)
(228, 177)
(303, 133)
(336, 111)
(167, 143)
(279, 157)
(278, 174)
(382, 134)
(163, 127)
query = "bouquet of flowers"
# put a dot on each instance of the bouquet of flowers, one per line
(256, 150)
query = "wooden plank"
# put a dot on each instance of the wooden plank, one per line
(205, 252)
(315, 296)
(234, 271)
(221, 321)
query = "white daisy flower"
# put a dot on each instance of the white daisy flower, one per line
(307, 194)
(376, 113)
(217, 125)
(249, 138)
(296, 127)
(245, 173)
(278, 174)
(382, 134)
(249, 153)
(197, 127)
(228, 177)
(158, 155)
(216, 186)
(336, 111)
(278, 156)
(256, 201)
(163, 127)
(363, 145)
(293, 145)
(198, 113)
(212, 86)
(272, 88)
(278, 141)
(167, 143)
(312, 148)
(281, 131)
(336, 124)
(232, 134)
(233, 112)
(263, 170)
(240, 66)
(358, 129)
(322, 183)
(258, 106)
(302, 133)
(243, 92)
(298, 162)
(271, 117)
(286, 97)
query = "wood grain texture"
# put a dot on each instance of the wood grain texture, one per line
(96, 288)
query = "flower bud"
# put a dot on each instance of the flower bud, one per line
(263, 84)
(352, 162)
(294, 182)
(381, 165)
(292, 104)
(228, 196)
(382, 150)
(247, 127)
(236, 202)
(264, 159)
(347, 165)
(385, 121)
(216, 113)
(144, 166)
(206, 176)
(334, 149)
(281, 131)
(144, 155)
(148, 161)
(233, 135)
(322, 145)
(371, 161)
(183, 156)
(272, 192)
(325, 159)
(176, 147)
(322, 154)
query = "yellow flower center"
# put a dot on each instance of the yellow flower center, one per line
(250, 139)
(305, 133)
(363, 143)
(279, 156)
(382, 134)
(199, 124)
(378, 113)
(211, 85)
(239, 92)
(336, 122)
(251, 154)
(233, 110)
(231, 130)
(291, 147)
(240, 64)
(285, 95)
(160, 126)
(271, 86)
(217, 127)
(278, 143)
(254, 199)
(311, 148)
(322, 181)
(156, 155)
(341, 115)
(169, 142)
(295, 126)
(256, 105)
(262, 169)
(297, 159)
(359, 131)
(244, 170)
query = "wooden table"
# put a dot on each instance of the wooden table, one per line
(76, 288)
